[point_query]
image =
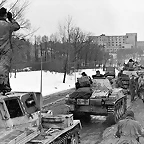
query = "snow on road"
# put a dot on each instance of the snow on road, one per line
(52, 81)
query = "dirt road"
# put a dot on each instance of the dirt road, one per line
(92, 131)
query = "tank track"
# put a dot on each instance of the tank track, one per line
(118, 109)
(64, 138)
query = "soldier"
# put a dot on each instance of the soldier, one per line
(129, 128)
(84, 81)
(131, 64)
(132, 87)
(141, 81)
(7, 26)
(140, 86)
(98, 74)
(85, 75)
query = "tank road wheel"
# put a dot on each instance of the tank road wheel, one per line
(117, 111)
(116, 115)
(70, 137)
(120, 109)
(76, 138)
(125, 104)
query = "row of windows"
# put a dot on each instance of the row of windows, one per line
(111, 44)
(117, 42)
(115, 45)
(112, 38)
(112, 41)
(111, 50)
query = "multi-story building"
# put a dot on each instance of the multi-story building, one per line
(114, 43)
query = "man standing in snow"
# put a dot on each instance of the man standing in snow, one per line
(7, 26)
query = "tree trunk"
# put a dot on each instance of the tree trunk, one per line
(15, 74)
(65, 69)
(86, 60)
(64, 77)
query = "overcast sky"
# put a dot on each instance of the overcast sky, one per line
(111, 17)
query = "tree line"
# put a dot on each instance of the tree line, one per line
(69, 48)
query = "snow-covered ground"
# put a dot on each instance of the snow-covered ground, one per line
(52, 82)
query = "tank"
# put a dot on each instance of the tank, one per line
(133, 69)
(22, 121)
(98, 99)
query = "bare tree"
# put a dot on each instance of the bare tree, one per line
(65, 35)
(44, 41)
(80, 40)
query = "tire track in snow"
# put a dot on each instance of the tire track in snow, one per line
(55, 98)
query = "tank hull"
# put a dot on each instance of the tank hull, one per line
(101, 107)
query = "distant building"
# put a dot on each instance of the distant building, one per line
(140, 44)
(113, 43)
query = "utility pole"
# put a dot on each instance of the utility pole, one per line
(41, 98)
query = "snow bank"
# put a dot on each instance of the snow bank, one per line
(52, 81)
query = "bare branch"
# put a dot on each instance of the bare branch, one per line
(13, 5)
(18, 10)
(2, 2)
